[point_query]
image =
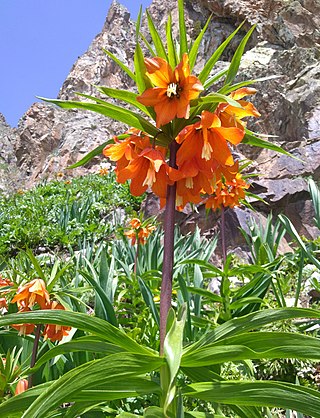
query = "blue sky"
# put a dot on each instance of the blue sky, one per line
(39, 42)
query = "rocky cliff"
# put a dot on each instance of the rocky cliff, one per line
(285, 44)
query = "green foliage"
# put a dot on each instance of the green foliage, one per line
(59, 213)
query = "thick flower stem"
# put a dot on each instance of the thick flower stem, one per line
(34, 352)
(166, 284)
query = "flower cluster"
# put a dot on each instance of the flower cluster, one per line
(229, 189)
(204, 147)
(34, 294)
(139, 233)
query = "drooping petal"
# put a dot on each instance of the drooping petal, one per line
(233, 135)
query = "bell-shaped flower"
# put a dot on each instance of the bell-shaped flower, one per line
(32, 293)
(173, 91)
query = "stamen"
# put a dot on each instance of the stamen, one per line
(172, 90)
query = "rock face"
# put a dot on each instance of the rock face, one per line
(285, 44)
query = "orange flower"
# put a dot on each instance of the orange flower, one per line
(229, 189)
(31, 293)
(148, 169)
(173, 89)
(131, 234)
(139, 233)
(24, 329)
(3, 303)
(22, 386)
(5, 283)
(231, 116)
(210, 137)
(135, 223)
(55, 332)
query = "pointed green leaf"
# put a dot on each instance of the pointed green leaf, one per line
(90, 344)
(126, 96)
(215, 56)
(195, 47)
(215, 78)
(100, 379)
(121, 65)
(138, 24)
(172, 55)
(110, 110)
(259, 393)
(95, 326)
(254, 345)
(161, 52)
(21, 402)
(216, 98)
(315, 196)
(107, 311)
(173, 352)
(151, 50)
(294, 234)
(96, 151)
(236, 59)
(182, 29)
(252, 321)
(148, 298)
(255, 141)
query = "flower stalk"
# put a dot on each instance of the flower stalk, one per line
(168, 255)
(34, 352)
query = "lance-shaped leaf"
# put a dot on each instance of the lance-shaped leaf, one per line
(160, 49)
(294, 234)
(228, 89)
(172, 54)
(110, 110)
(96, 326)
(99, 379)
(251, 139)
(121, 65)
(260, 393)
(96, 151)
(315, 196)
(182, 29)
(85, 344)
(252, 321)
(236, 59)
(215, 56)
(195, 47)
(254, 345)
(173, 352)
(126, 96)
(18, 403)
(142, 80)
(148, 298)
(106, 310)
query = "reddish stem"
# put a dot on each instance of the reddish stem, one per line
(166, 284)
(34, 352)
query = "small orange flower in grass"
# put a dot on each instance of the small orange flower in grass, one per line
(104, 169)
(231, 116)
(229, 189)
(210, 137)
(55, 332)
(3, 303)
(135, 223)
(32, 293)
(139, 233)
(173, 91)
(22, 386)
